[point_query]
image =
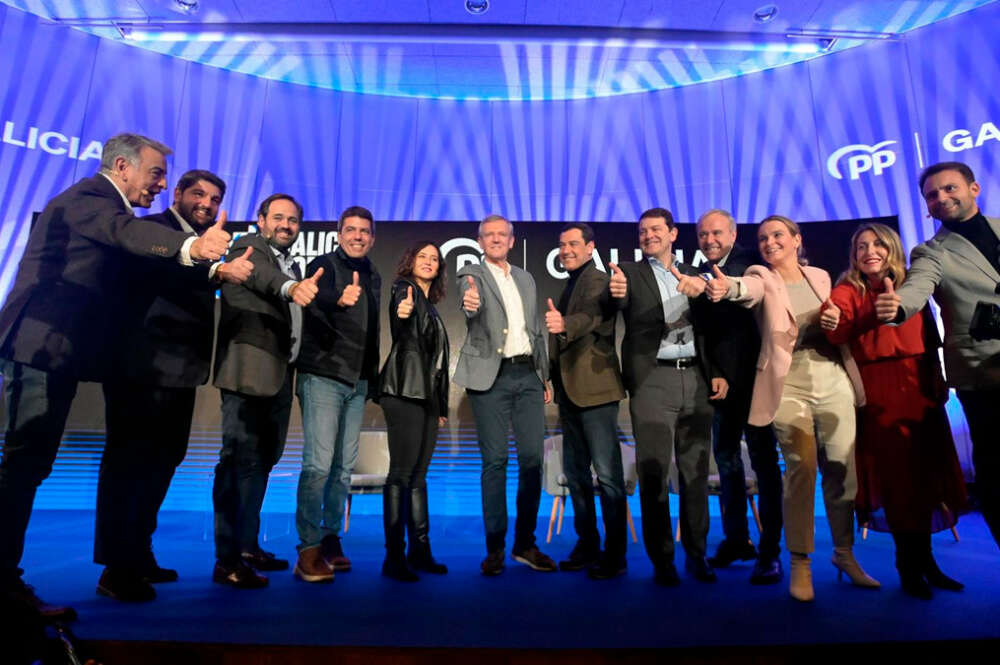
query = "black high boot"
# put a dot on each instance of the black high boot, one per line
(909, 563)
(393, 519)
(419, 557)
(931, 571)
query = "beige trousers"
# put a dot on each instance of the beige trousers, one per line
(815, 427)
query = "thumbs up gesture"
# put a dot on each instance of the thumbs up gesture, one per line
(691, 286)
(829, 316)
(237, 270)
(470, 301)
(887, 303)
(304, 292)
(619, 283)
(212, 244)
(405, 307)
(718, 286)
(352, 292)
(554, 319)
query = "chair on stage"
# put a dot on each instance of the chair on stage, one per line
(715, 485)
(554, 482)
(371, 470)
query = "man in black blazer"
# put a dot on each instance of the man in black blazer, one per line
(671, 377)
(260, 331)
(732, 331)
(165, 329)
(53, 327)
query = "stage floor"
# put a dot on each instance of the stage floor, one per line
(519, 609)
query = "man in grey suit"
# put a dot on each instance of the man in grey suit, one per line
(504, 367)
(960, 265)
(260, 332)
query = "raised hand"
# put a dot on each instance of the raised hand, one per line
(718, 286)
(887, 303)
(554, 320)
(236, 271)
(405, 307)
(470, 301)
(304, 292)
(352, 292)
(619, 283)
(212, 244)
(829, 316)
(690, 286)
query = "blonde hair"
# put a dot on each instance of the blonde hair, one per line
(895, 261)
(794, 229)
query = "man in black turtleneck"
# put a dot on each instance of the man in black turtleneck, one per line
(588, 386)
(338, 364)
(960, 265)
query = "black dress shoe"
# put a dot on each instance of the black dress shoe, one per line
(766, 570)
(239, 575)
(581, 557)
(938, 579)
(126, 586)
(666, 575)
(699, 568)
(266, 561)
(156, 575)
(915, 585)
(607, 566)
(22, 596)
(396, 567)
(729, 552)
(493, 564)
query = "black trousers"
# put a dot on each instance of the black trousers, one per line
(412, 429)
(982, 410)
(147, 437)
(729, 426)
(253, 438)
(37, 405)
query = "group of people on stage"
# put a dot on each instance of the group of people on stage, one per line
(845, 379)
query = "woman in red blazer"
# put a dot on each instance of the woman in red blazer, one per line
(805, 387)
(909, 479)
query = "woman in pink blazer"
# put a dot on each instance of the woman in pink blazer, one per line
(807, 389)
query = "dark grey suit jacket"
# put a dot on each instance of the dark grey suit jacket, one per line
(481, 354)
(255, 328)
(58, 312)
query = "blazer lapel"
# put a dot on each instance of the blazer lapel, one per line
(649, 279)
(961, 246)
(490, 281)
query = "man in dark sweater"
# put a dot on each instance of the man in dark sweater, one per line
(337, 367)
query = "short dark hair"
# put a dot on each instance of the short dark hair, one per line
(265, 205)
(191, 178)
(659, 212)
(356, 211)
(934, 169)
(583, 227)
(436, 292)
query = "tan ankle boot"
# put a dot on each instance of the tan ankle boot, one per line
(845, 563)
(800, 579)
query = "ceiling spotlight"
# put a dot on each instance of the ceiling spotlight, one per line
(477, 7)
(186, 6)
(765, 14)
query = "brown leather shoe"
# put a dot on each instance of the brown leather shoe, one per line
(311, 567)
(238, 575)
(333, 554)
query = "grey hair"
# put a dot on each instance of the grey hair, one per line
(128, 146)
(719, 211)
(495, 218)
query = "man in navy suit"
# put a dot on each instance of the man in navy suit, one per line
(53, 327)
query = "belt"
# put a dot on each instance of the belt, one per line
(677, 363)
(517, 360)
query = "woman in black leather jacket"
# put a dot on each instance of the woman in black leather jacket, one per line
(413, 392)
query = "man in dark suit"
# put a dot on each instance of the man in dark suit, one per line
(504, 367)
(165, 329)
(960, 265)
(53, 327)
(260, 331)
(588, 386)
(731, 331)
(671, 376)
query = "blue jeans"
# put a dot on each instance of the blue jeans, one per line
(331, 423)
